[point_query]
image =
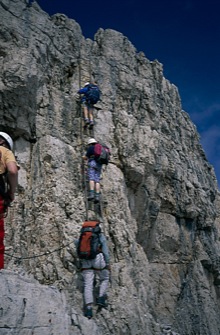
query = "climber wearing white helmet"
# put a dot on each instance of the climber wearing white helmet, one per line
(8, 183)
(90, 96)
(6, 139)
(94, 171)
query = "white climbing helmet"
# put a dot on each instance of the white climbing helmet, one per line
(86, 84)
(92, 141)
(7, 138)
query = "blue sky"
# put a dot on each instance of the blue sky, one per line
(183, 35)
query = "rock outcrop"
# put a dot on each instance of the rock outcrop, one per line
(160, 195)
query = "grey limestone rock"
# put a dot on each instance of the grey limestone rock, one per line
(160, 194)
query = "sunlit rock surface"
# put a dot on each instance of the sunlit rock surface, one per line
(159, 194)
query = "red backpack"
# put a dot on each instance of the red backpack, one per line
(89, 245)
(102, 153)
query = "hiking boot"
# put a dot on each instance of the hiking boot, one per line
(91, 124)
(101, 301)
(91, 196)
(97, 198)
(88, 313)
(86, 121)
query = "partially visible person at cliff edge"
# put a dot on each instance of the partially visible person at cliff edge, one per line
(90, 96)
(8, 184)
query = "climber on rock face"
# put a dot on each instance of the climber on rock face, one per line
(90, 96)
(93, 263)
(8, 184)
(94, 171)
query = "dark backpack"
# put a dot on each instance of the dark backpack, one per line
(93, 94)
(4, 186)
(89, 243)
(102, 153)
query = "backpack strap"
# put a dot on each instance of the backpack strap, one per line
(87, 229)
(3, 184)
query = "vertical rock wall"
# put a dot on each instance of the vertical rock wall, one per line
(159, 193)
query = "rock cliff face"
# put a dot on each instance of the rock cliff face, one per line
(160, 196)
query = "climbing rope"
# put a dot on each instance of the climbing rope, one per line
(101, 214)
(98, 208)
(84, 181)
(40, 255)
(11, 218)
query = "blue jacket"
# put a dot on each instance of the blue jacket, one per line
(86, 91)
(90, 152)
(83, 90)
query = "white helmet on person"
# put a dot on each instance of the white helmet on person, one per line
(92, 141)
(87, 83)
(7, 138)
